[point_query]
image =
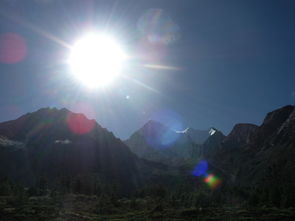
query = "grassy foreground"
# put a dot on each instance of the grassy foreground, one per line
(88, 208)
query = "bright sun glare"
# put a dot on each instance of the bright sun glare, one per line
(96, 60)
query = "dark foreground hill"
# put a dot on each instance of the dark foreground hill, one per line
(60, 146)
(261, 158)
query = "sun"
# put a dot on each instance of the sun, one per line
(96, 60)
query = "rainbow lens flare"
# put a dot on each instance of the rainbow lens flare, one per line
(212, 181)
(201, 169)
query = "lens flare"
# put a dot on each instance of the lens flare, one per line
(201, 169)
(161, 67)
(212, 181)
(159, 136)
(13, 48)
(79, 124)
(161, 131)
(157, 27)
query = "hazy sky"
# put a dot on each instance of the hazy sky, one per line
(192, 63)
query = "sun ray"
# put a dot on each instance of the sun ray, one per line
(35, 29)
(162, 67)
(142, 84)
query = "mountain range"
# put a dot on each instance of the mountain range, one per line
(157, 142)
(58, 145)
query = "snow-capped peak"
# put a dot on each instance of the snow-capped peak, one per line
(183, 131)
(212, 131)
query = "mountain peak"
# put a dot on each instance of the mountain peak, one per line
(156, 127)
(274, 124)
(44, 119)
(184, 131)
(212, 131)
(240, 135)
(152, 123)
(188, 130)
(278, 116)
(63, 112)
(213, 142)
(47, 110)
(59, 141)
(242, 129)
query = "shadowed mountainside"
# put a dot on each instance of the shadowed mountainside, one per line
(252, 158)
(58, 144)
(261, 157)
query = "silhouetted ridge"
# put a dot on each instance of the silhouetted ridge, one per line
(61, 145)
(59, 142)
(260, 156)
(272, 125)
(240, 135)
(212, 144)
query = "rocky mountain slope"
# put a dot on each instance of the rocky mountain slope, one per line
(251, 157)
(261, 157)
(58, 144)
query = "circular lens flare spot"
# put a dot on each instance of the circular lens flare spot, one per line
(160, 132)
(212, 181)
(79, 124)
(201, 169)
(13, 48)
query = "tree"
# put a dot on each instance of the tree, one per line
(5, 188)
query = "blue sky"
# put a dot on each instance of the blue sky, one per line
(230, 61)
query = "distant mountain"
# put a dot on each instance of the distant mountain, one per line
(212, 144)
(157, 142)
(59, 144)
(149, 142)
